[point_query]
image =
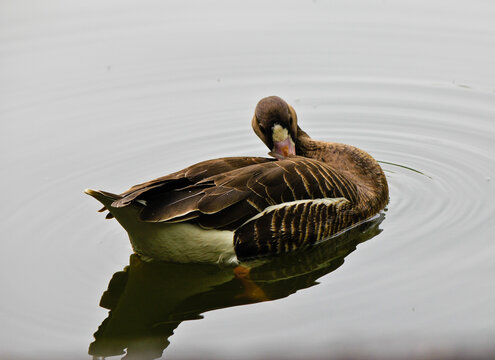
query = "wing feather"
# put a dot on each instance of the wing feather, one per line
(219, 198)
(188, 176)
(225, 193)
(171, 205)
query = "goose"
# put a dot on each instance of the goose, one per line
(234, 209)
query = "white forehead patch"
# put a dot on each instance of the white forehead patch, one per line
(279, 133)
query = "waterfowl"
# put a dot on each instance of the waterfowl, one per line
(233, 209)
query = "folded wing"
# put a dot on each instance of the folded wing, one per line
(225, 193)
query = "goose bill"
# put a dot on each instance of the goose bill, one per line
(285, 147)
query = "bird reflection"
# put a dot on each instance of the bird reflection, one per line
(148, 301)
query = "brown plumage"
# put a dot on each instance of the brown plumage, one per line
(267, 202)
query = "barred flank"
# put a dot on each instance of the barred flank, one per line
(291, 227)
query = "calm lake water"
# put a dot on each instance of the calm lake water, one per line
(108, 94)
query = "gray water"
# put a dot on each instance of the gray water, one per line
(109, 94)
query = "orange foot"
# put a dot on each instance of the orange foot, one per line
(251, 291)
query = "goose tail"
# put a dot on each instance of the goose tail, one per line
(128, 216)
(104, 197)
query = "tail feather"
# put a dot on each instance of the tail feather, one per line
(127, 216)
(104, 197)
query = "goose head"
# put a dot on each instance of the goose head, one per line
(275, 123)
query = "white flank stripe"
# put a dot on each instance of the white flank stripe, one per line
(325, 201)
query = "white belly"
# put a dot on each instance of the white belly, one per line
(183, 242)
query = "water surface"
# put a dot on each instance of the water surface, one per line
(106, 95)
